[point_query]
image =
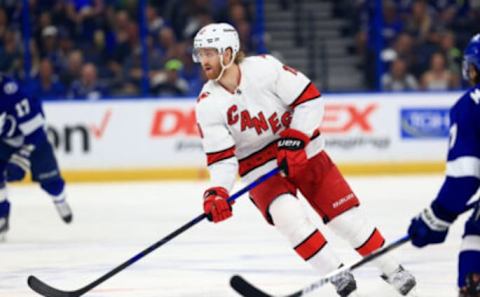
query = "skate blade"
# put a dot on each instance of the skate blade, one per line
(412, 293)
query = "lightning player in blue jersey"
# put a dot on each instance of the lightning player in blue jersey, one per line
(461, 183)
(24, 146)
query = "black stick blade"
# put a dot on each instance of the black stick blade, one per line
(48, 291)
(244, 288)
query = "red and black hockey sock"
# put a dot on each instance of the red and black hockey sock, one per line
(312, 245)
(373, 243)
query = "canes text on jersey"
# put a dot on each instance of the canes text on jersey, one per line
(259, 122)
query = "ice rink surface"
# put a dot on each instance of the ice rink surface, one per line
(113, 222)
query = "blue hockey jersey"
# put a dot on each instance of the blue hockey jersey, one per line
(463, 163)
(21, 116)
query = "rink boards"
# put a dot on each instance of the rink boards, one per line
(158, 138)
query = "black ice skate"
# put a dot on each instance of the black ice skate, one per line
(344, 284)
(472, 287)
(402, 280)
(63, 210)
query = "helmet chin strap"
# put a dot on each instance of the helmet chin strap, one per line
(224, 67)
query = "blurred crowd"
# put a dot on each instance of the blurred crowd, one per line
(92, 48)
(423, 42)
(88, 49)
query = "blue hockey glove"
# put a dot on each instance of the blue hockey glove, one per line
(428, 228)
(14, 172)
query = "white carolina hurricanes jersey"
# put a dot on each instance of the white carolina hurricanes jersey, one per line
(239, 130)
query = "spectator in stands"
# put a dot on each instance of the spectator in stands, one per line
(13, 9)
(169, 82)
(66, 45)
(420, 23)
(237, 13)
(451, 52)
(196, 19)
(167, 42)
(176, 14)
(96, 52)
(186, 17)
(445, 11)
(239, 17)
(47, 84)
(134, 69)
(88, 86)
(85, 16)
(121, 41)
(154, 21)
(49, 46)
(43, 21)
(69, 33)
(438, 77)
(190, 71)
(3, 23)
(10, 58)
(399, 79)
(392, 23)
(245, 35)
(402, 48)
(71, 72)
(468, 24)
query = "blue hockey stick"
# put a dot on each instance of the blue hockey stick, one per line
(48, 291)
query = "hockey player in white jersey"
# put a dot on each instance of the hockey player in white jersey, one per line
(461, 183)
(255, 114)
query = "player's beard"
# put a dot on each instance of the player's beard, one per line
(213, 73)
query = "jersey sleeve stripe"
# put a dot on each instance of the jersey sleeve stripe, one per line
(467, 166)
(220, 155)
(309, 93)
(470, 243)
(316, 133)
(31, 125)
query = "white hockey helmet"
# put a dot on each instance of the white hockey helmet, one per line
(219, 36)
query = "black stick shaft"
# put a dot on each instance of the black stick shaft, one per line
(246, 289)
(41, 287)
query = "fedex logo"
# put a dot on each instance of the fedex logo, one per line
(342, 118)
(338, 118)
(174, 121)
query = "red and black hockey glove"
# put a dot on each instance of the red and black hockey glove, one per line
(291, 155)
(215, 204)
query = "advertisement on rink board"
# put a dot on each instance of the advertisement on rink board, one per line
(159, 134)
